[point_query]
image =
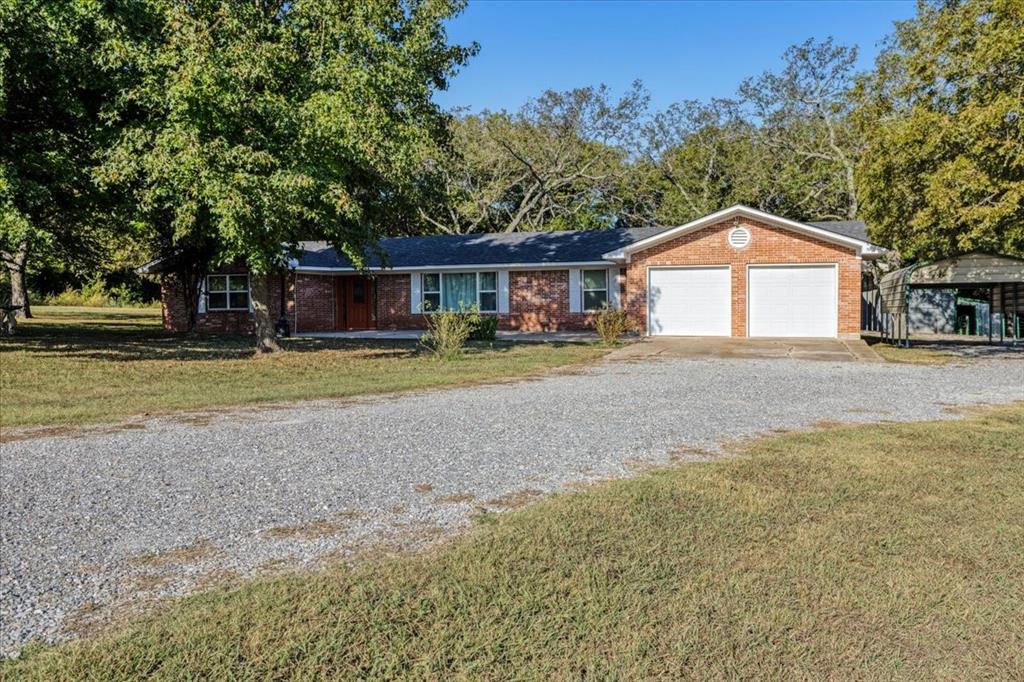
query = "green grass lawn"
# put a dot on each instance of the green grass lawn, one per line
(77, 365)
(891, 551)
(915, 355)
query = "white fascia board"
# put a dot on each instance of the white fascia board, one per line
(735, 212)
(460, 268)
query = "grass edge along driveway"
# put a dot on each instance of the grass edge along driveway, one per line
(885, 551)
(72, 366)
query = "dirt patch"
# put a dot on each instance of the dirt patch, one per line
(423, 487)
(454, 499)
(306, 531)
(179, 555)
(690, 454)
(147, 582)
(514, 500)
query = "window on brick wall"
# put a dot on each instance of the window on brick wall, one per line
(595, 289)
(227, 292)
(458, 290)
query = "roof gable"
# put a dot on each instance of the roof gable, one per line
(861, 246)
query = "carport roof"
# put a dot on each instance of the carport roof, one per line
(972, 269)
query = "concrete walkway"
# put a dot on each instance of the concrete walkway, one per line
(413, 334)
(837, 350)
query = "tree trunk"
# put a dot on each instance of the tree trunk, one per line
(259, 292)
(15, 263)
(189, 278)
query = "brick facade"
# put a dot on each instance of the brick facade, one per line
(315, 305)
(175, 313)
(539, 299)
(769, 245)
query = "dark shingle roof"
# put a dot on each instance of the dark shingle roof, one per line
(848, 228)
(485, 249)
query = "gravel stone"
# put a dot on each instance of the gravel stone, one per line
(105, 521)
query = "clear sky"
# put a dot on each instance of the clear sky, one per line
(680, 50)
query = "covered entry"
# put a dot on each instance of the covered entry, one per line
(354, 298)
(1000, 278)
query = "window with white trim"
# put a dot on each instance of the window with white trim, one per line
(459, 290)
(227, 292)
(595, 290)
(431, 292)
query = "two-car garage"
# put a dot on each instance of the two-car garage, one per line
(742, 272)
(782, 300)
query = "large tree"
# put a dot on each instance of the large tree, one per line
(802, 116)
(269, 122)
(556, 163)
(52, 93)
(696, 158)
(943, 115)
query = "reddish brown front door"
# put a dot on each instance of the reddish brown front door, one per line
(354, 296)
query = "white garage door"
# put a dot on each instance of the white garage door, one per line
(690, 302)
(792, 300)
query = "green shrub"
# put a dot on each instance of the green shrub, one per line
(485, 329)
(449, 330)
(96, 295)
(611, 324)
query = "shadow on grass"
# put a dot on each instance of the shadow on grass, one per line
(142, 342)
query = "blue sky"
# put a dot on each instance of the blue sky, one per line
(680, 50)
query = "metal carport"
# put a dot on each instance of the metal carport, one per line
(1002, 275)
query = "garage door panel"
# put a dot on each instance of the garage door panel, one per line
(690, 301)
(792, 300)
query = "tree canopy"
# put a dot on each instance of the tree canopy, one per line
(942, 117)
(256, 125)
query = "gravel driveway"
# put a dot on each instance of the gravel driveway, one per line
(106, 520)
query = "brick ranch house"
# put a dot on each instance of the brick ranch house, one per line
(737, 272)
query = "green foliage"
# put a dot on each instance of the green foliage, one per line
(269, 122)
(557, 163)
(611, 324)
(943, 117)
(449, 330)
(96, 294)
(485, 328)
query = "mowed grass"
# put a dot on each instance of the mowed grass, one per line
(915, 355)
(892, 551)
(77, 365)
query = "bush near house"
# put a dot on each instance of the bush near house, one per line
(611, 324)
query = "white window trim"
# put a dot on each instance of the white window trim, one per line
(584, 289)
(227, 292)
(420, 291)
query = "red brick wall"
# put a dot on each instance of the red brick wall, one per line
(175, 315)
(314, 303)
(539, 301)
(768, 245)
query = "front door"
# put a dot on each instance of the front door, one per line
(355, 303)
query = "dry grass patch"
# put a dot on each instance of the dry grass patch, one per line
(514, 500)
(179, 555)
(306, 531)
(455, 498)
(870, 552)
(915, 355)
(71, 366)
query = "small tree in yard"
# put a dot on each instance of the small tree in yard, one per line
(611, 324)
(255, 125)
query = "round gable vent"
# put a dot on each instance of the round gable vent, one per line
(739, 237)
